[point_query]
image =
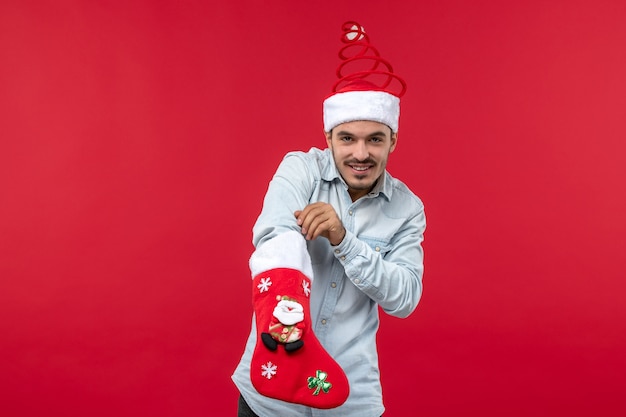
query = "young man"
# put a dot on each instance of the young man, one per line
(362, 230)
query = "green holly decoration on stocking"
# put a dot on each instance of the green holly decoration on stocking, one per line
(319, 382)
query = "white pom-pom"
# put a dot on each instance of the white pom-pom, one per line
(354, 31)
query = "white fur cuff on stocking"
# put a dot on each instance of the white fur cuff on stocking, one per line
(287, 250)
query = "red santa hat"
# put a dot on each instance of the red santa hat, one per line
(369, 91)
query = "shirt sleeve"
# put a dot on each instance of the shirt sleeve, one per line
(289, 190)
(393, 279)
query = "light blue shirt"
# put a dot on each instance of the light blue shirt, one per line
(378, 263)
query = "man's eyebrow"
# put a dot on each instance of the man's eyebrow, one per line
(346, 133)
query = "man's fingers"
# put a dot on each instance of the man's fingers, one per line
(317, 219)
(317, 227)
(297, 215)
(307, 215)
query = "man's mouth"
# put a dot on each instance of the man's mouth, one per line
(361, 167)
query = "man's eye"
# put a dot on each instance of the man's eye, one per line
(346, 138)
(376, 139)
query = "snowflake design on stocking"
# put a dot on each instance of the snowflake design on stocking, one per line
(306, 288)
(264, 285)
(269, 370)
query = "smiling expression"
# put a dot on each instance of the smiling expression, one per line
(360, 150)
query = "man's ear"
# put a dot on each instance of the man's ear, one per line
(394, 141)
(329, 136)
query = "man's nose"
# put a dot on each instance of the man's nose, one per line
(361, 153)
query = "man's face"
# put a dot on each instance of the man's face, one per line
(361, 150)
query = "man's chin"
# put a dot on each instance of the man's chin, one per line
(361, 185)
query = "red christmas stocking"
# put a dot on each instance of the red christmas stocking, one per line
(288, 362)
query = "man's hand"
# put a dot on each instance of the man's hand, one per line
(320, 219)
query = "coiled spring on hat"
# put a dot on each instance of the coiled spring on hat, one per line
(357, 51)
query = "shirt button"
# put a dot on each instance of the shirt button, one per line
(336, 250)
(324, 321)
(357, 281)
(333, 284)
(343, 258)
(377, 248)
(350, 212)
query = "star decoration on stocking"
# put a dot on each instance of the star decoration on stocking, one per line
(269, 370)
(264, 285)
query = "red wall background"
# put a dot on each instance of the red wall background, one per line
(137, 140)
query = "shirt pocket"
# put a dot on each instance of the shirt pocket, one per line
(378, 245)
